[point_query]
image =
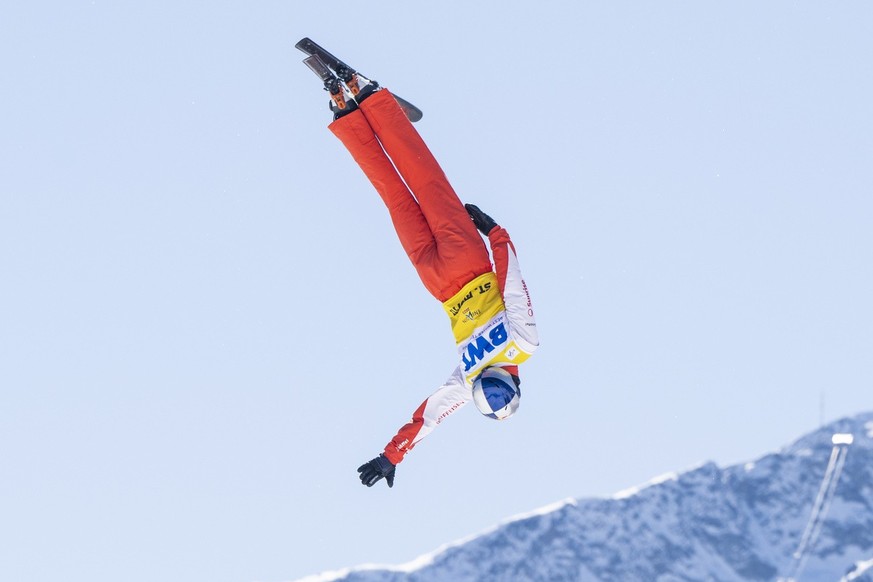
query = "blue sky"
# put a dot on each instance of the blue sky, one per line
(207, 323)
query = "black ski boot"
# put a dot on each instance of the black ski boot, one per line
(333, 85)
(337, 112)
(352, 80)
(367, 90)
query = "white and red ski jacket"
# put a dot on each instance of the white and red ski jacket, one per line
(493, 323)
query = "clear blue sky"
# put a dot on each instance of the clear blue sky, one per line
(207, 324)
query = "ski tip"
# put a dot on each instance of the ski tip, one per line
(303, 43)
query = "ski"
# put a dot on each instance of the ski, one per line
(331, 81)
(349, 75)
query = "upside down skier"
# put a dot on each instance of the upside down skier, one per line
(489, 309)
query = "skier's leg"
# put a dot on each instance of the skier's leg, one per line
(462, 251)
(409, 221)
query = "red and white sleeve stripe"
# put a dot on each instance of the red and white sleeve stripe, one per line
(519, 310)
(440, 405)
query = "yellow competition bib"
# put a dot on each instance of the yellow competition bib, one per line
(474, 305)
(481, 328)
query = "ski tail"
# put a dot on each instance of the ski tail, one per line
(412, 112)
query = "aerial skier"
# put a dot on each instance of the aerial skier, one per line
(489, 308)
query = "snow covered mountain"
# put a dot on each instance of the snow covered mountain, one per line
(803, 513)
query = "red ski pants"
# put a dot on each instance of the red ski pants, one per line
(434, 227)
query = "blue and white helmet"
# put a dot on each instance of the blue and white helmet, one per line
(495, 393)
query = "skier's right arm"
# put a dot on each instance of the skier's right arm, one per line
(436, 408)
(440, 405)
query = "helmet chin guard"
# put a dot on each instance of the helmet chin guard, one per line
(495, 393)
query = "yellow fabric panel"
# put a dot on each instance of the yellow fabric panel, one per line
(474, 305)
(510, 355)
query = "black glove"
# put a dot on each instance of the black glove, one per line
(372, 471)
(482, 221)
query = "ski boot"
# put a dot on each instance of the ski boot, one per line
(339, 112)
(326, 65)
(339, 104)
(352, 80)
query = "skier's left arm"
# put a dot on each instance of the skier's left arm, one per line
(516, 297)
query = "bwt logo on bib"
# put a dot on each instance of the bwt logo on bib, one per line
(477, 348)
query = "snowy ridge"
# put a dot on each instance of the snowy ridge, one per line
(427, 559)
(862, 571)
(750, 521)
(631, 491)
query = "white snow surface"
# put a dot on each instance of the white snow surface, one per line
(631, 491)
(860, 569)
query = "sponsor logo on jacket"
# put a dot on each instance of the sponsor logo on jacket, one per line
(480, 345)
(448, 412)
(479, 290)
(471, 315)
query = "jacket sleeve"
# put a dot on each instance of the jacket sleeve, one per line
(440, 405)
(519, 310)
